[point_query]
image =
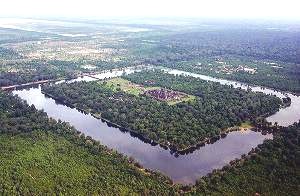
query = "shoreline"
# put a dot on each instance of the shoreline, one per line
(284, 92)
(89, 74)
(172, 149)
(165, 144)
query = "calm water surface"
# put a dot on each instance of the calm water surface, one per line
(183, 169)
(284, 117)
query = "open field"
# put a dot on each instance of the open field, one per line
(137, 89)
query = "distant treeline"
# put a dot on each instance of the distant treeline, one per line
(256, 43)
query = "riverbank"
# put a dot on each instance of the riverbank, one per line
(12, 87)
(90, 74)
(223, 77)
(183, 169)
(165, 145)
(268, 169)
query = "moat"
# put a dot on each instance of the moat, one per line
(183, 168)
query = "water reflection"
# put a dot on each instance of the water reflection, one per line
(284, 117)
(181, 168)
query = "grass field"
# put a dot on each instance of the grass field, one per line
(127, 86)
(136, 89)
(246, 125)
(186, 99)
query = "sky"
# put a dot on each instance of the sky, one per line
(251, 9)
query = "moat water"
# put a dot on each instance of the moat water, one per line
(181, 169)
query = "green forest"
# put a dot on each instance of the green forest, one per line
(274, 54)
(179, 126)
(40, 156)
(43, 156)
(270, 169)
(33, 70)
(272, 74)
(197, 49)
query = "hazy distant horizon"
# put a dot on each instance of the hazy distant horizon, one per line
(281, 10)
(157, 20)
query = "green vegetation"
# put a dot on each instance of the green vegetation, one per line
(215, 108)
(278, 75)
(24, 71)
(271, 169)
(197, 48)
(246, 125)
(218, 40)
(8, 54)
(117, 84)
(40, 156)
(272, 53)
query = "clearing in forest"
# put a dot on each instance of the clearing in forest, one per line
(161, 94)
